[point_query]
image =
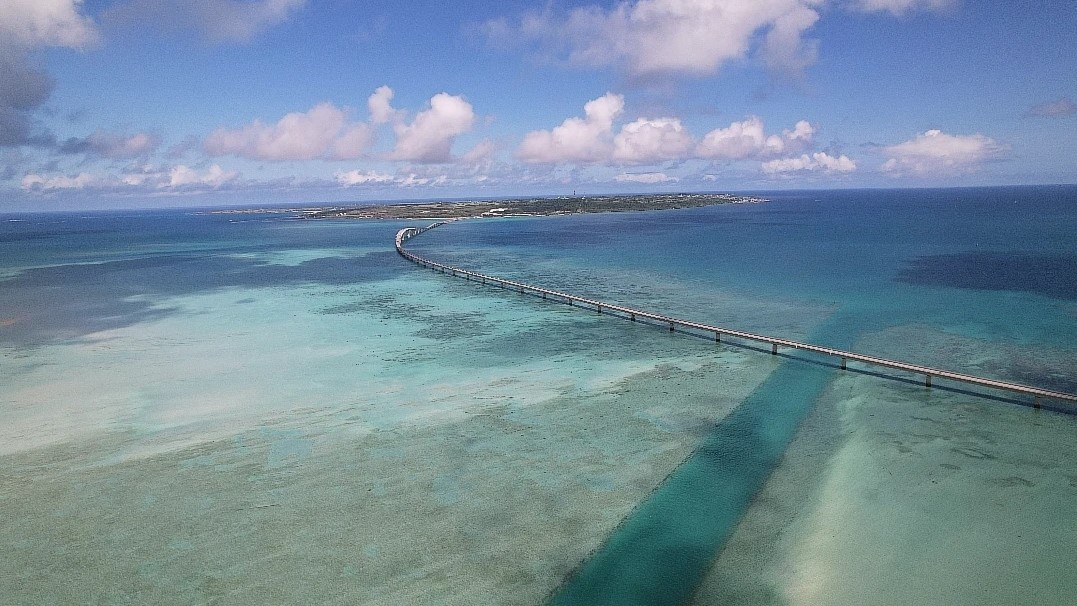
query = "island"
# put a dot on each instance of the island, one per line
(507, 207)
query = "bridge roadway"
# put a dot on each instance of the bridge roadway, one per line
(674, 323)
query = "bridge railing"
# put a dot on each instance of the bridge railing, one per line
(719, 332)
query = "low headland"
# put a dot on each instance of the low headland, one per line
(509, 207)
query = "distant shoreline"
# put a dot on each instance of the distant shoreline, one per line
(522, 207)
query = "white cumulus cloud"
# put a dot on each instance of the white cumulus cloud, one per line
(482, 153)
(352, 143)
(429, 137)
(647, 141)
(587, 139)
(147, 178)
(936, 152)
(784, 49)
(325, 132)
(819, 161)
(414, 180)
(36, 182)
(747, 139)
(354, 177)
(321, 132)
(673, 36)
(214, 176)
(381, 109)
(32, 23)
(592, 139)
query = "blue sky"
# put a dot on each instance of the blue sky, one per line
(118, 103)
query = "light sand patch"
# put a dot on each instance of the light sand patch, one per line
(893, 494)
(971, 504)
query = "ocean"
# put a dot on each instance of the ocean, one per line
(253, 408)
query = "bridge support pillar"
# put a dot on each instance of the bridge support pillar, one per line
(598, 308)
(927, 381)
(1036, 401)
(843, 363)
(671, 327)
(773, 349)
(717, 337)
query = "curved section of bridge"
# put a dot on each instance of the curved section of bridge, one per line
(717, 332)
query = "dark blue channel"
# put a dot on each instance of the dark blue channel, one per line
(662, 551)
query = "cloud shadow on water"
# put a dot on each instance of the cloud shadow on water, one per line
(46, 304)
(1053, 276)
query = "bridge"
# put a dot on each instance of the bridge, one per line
(718, 332)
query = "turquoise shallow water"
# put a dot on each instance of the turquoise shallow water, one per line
(199, 409)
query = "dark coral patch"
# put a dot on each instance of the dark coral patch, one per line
(1053, 276)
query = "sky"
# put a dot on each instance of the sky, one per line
(164, 103)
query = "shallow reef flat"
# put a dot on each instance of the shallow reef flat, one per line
(399, 440)
(494, 504)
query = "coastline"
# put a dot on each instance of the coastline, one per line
(521, 207)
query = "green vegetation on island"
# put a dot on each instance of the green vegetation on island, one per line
(512, 207)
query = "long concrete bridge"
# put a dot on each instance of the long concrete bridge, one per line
(718, 332)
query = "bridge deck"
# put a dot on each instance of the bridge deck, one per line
(674, 323)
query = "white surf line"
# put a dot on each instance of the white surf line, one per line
(632, 314)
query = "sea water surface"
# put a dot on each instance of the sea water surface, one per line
(241, 409)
